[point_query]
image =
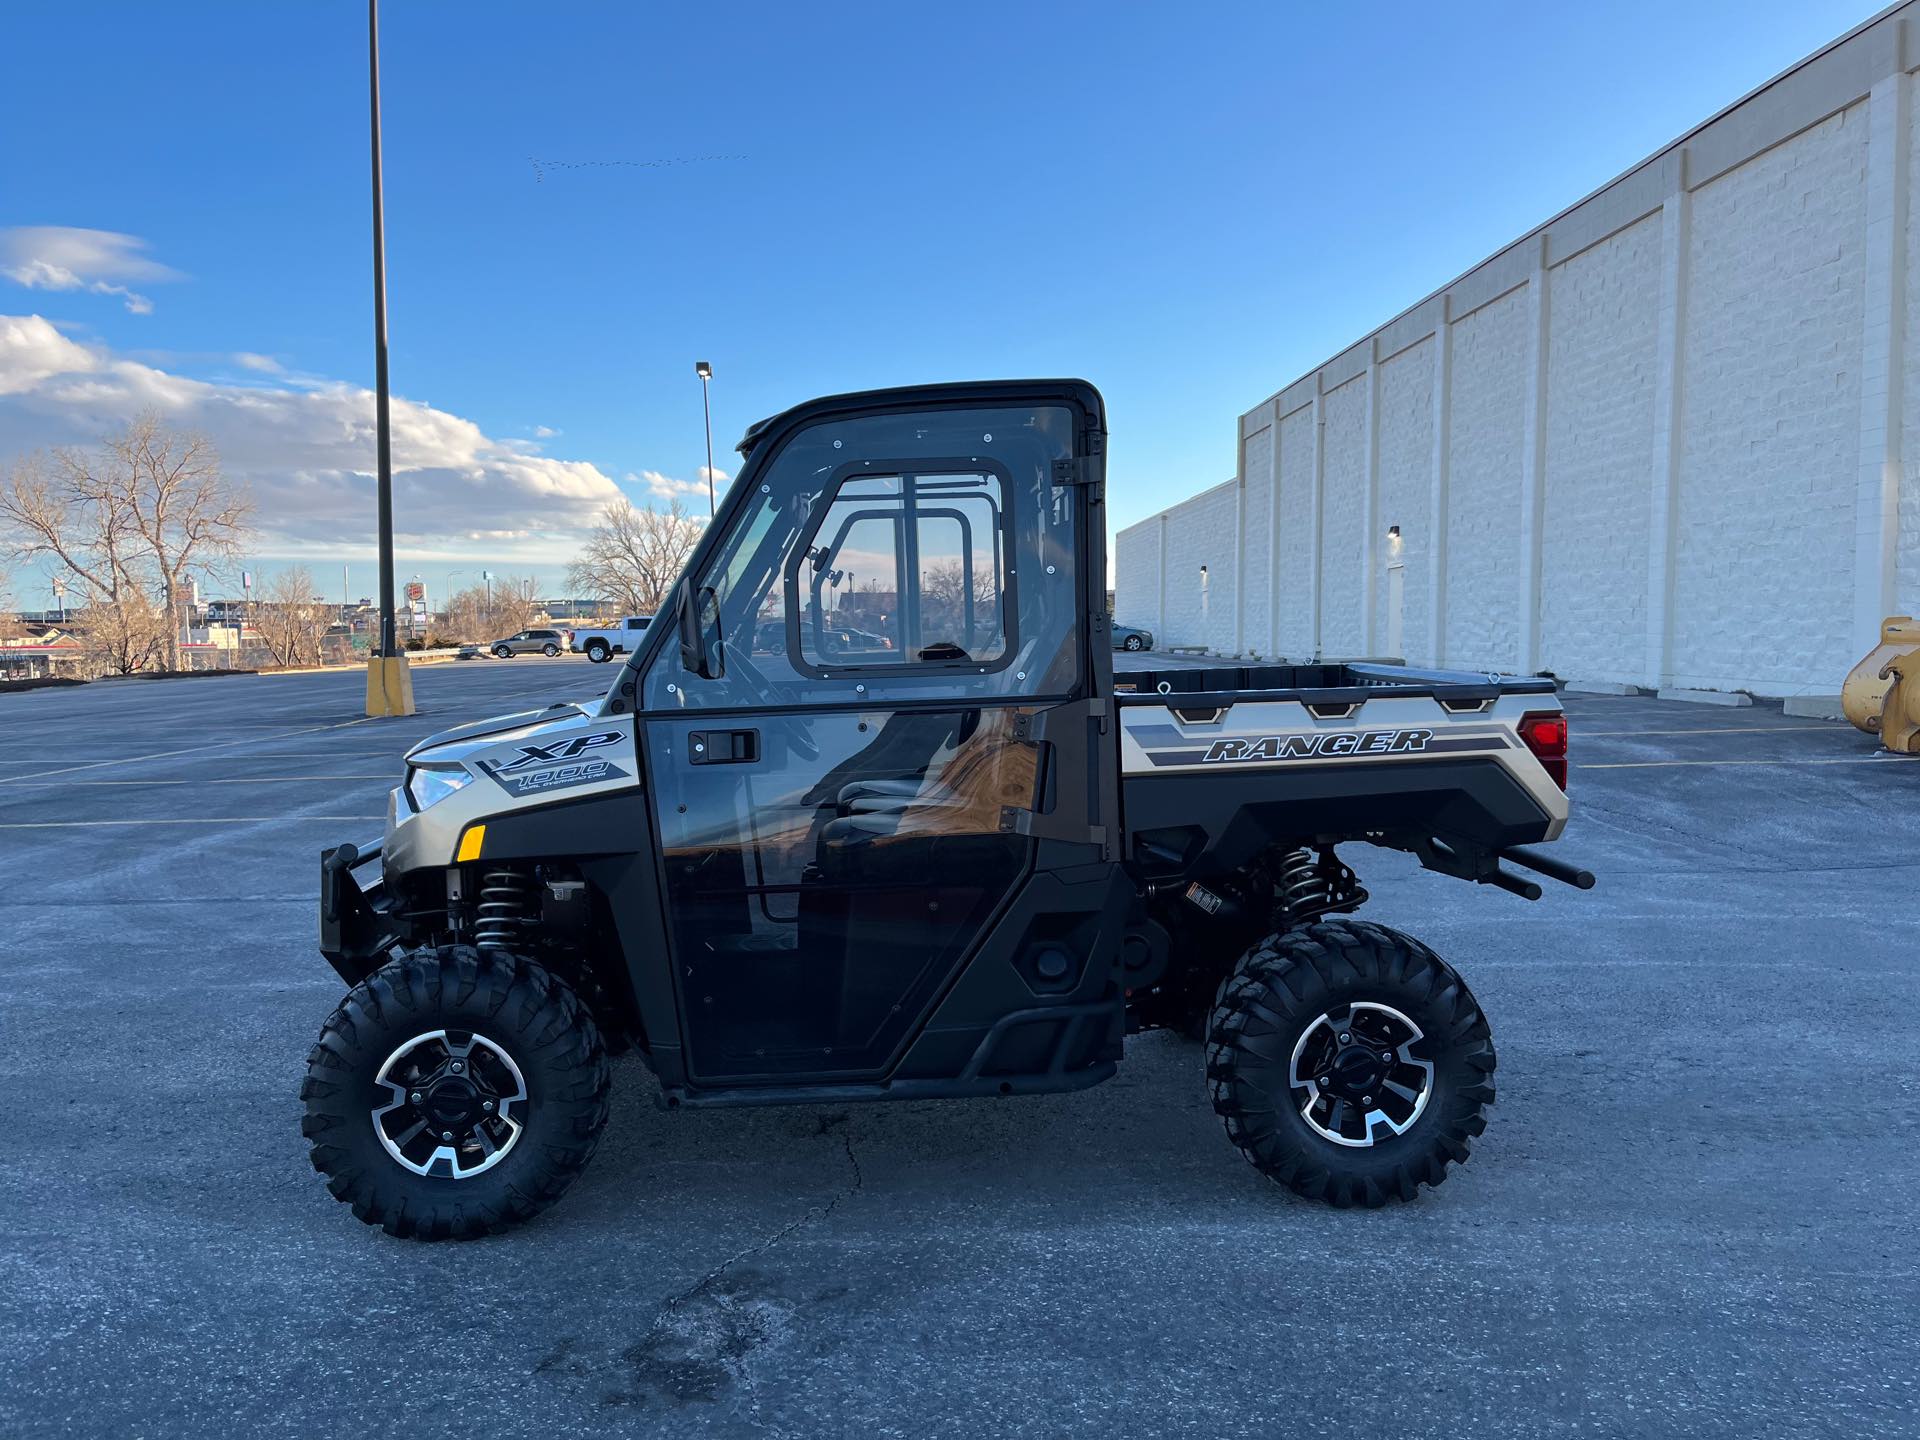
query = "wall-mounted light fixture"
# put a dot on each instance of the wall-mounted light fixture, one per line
(1393, 532)
(1203, 569)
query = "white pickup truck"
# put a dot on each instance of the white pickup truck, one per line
(600, 645)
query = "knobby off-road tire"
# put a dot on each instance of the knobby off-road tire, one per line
(1272, 1018)
(521, 1027)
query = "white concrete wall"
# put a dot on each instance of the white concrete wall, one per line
(1664, 439)
(1483, 509)
(1406, 486)
(1598, 476)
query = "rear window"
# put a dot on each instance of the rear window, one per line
(905, 569)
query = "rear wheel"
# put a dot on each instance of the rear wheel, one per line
(454, 1092)
(598, 652)
(1349, 1062)
(549, 649)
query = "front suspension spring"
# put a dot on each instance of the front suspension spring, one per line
(505, 910)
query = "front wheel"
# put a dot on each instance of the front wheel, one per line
(598, 652)
(503, 652)
(454, 1092)
(1133, 642)
(1350, 1063)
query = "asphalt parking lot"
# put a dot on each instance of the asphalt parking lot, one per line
(1692, 1213)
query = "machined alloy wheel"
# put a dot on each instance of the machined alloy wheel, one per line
(454, 1106)
(503, 652)
(598, 652)
(1134, 642)
(549, 649)
(1357, 1076)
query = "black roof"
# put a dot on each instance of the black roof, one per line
(908, 397)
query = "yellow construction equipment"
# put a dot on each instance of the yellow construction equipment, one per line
(1882, 693)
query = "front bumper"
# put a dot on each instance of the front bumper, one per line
(357, 926)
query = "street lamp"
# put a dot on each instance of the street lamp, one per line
(705, 372)
(389, 686)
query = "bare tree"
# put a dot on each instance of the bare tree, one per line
(481, 613)
(66, 510)
(633, 556)
(122, 634)
(187, 515)
(291, 619)
(134, 522)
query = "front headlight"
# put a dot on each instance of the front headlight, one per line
(429, 783)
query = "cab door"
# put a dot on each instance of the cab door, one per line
(847, 758)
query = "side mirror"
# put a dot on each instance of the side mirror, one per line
(700, 633)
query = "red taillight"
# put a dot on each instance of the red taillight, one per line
(1546, 736)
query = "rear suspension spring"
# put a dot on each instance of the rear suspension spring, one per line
(1306, 887)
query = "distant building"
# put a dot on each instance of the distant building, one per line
(32, 651)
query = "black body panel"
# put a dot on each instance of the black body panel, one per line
(1474, 803)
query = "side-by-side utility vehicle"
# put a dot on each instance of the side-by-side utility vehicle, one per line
(866, 815)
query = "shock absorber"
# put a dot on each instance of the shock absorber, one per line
(1305, 888)
(505, 909)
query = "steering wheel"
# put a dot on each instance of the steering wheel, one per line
(760, 690)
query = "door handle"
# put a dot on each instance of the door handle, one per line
(723, 747)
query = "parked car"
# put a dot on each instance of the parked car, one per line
(602, 644)
(530, 642)
(1131, 637)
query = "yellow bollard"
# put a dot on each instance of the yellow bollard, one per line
(389, 685)
(1881, 694)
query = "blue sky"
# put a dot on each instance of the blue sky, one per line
(1188, 205)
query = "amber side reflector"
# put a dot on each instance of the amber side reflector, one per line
(470, 843)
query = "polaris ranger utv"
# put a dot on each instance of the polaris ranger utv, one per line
(865, 816)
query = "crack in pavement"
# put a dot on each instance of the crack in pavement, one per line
(705, 1282)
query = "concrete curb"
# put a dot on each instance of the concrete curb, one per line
(1813, 707)
(1733, 698)
(1603, 687)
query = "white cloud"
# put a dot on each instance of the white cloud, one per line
(544, 432)
(265, 364)
(667, 487)
(31, 351)
(66, 257)
(307, 450)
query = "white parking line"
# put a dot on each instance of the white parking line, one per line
(382, 779)
(209, 820)
(1662, 764)
(191, 749)
(1708, 730)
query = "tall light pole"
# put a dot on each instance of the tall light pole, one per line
(389, 686)
(705, 372)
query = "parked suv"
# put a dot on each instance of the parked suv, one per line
(529, 642)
